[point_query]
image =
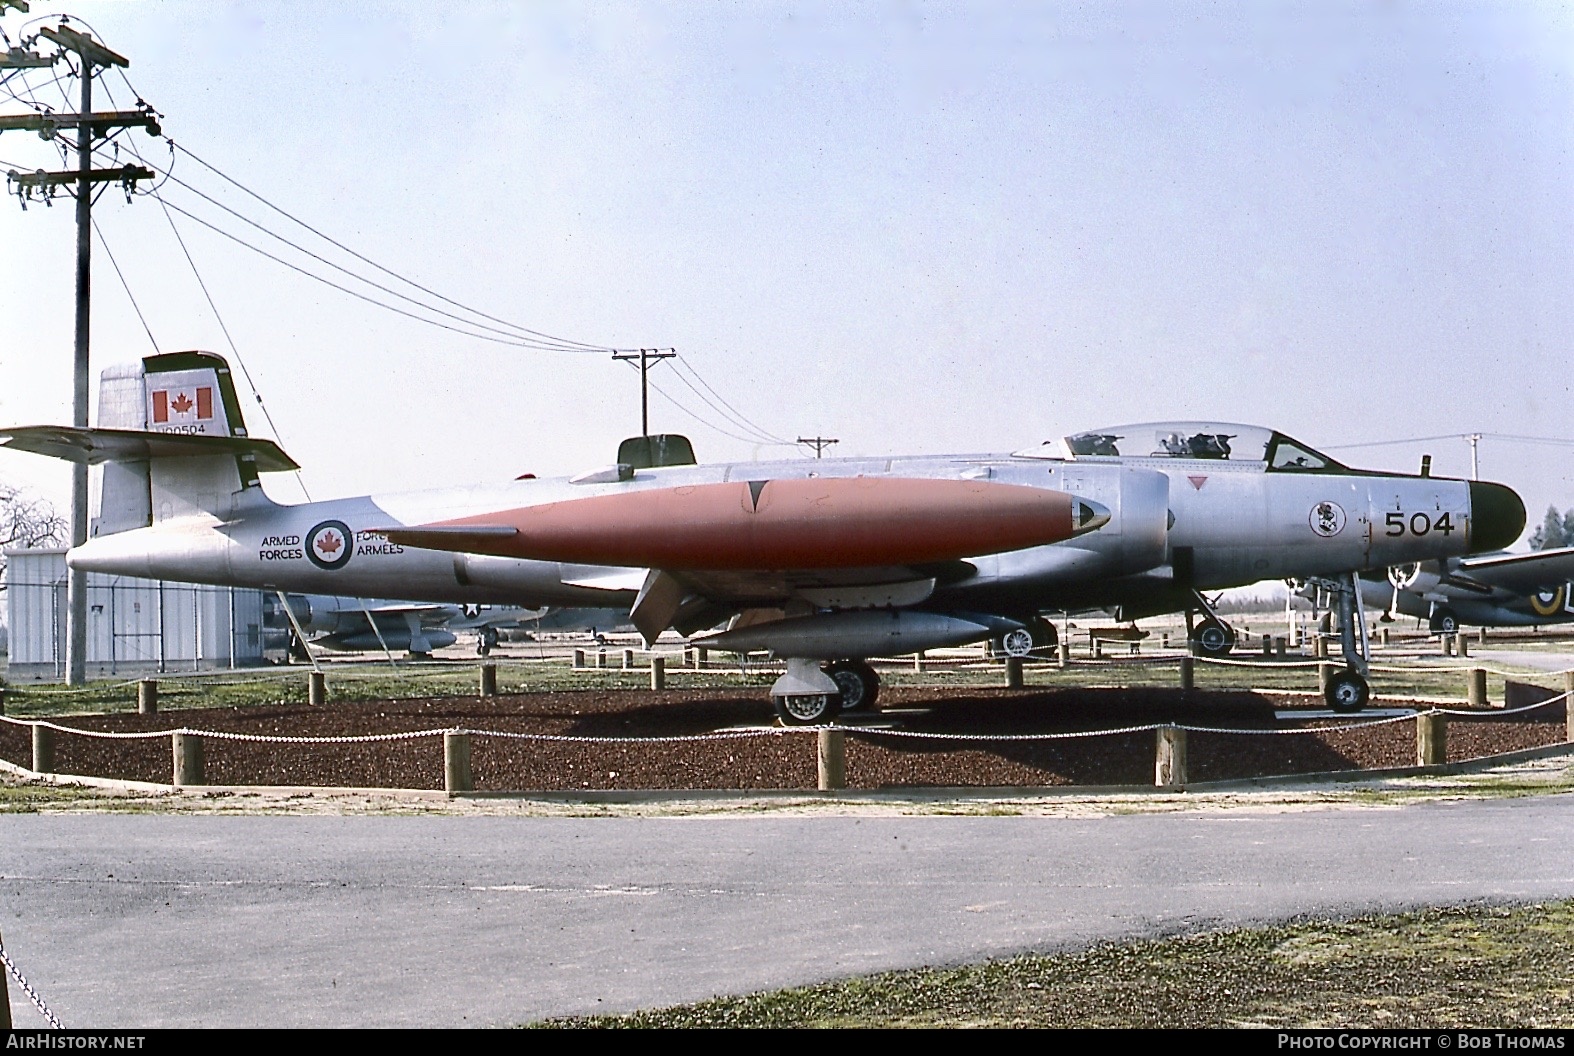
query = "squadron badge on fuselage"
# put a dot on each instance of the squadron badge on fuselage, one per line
(1327, 519)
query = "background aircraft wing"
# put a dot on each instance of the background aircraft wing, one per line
(1520, 573)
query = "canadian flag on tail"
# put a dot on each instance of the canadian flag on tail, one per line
(181, 403)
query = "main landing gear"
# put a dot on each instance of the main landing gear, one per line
(858, 681)
(1212, 636)
(1349, 690)
(810, 694)
(1037, 637)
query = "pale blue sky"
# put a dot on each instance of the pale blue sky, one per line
(916, 227)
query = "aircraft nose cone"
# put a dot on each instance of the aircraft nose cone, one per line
(1087, 516)
(1497, 516)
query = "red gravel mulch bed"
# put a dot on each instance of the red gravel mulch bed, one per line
(760, 762)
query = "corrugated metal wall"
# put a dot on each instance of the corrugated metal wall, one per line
(134, 625)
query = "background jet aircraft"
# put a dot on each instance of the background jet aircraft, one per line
(1491, 590)
(833, 560)
(360, 625)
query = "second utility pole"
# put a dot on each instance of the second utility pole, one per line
(644, 355)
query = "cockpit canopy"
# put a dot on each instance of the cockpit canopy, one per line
(1208, 441)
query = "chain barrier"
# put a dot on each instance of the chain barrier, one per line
(32, 995)
(719, 735)
(1500, 712)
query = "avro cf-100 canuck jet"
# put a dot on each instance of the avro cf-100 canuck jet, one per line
(818, 561)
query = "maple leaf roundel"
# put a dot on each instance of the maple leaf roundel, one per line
(330, 544)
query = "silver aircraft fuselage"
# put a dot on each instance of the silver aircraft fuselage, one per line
(1209, 523)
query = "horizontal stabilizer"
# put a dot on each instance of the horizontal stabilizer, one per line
(95, 446)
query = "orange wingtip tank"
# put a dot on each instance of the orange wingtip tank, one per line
(774, 524)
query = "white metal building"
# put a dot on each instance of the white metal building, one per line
(135, 626)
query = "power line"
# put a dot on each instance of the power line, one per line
(226, 331)
(125, 285)
(1557, 441)
(726, 409)
(527, 342)
(514, 343)
(709, 424)
(585, 346)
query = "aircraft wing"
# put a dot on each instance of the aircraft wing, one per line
(1520, 573)
(691, 601)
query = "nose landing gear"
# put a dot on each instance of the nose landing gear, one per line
(1349, 690)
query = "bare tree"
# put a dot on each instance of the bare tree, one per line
(26, 521)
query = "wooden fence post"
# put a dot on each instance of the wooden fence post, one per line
(1568, 706)
(579, 659)
(317, 691)
(658, 672)
(1169, 762)
(190, 766)
(1431, 738)
(1188, 673)
(628, 659)
(832, 755)
(1013, 672)
(489, 680)
(457, 776)
(147, 696)
(43, 749)
(1063, 654)
(1477, 690)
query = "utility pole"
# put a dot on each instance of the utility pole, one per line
(89, 126)
(646, 357)
(819, 443)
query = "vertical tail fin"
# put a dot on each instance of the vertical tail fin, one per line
(191, 393)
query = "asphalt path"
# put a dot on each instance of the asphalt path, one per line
(168, 921)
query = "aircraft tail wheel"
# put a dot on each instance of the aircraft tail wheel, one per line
(1347, 692)
(858, 681)
(1213, 637)
(809, 709)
